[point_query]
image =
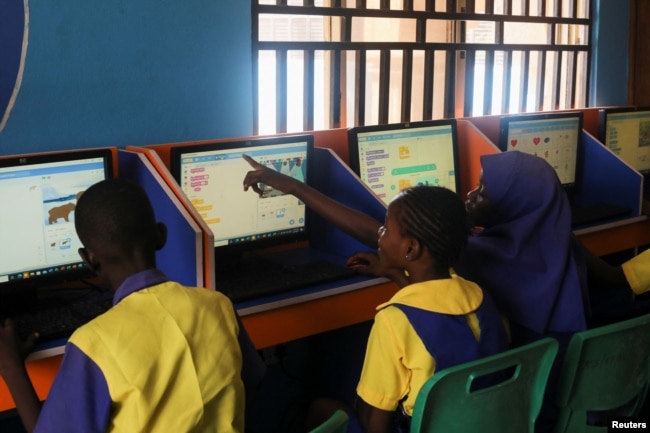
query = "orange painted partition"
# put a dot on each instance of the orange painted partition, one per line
(472, 143)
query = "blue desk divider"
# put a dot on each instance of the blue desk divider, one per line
(606, 178)
(336, 180)
(182, 256)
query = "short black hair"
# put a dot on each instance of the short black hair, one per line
(116, 213)
(437, 218)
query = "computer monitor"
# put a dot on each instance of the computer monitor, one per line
(39, 193)
(390, 158)
(626, 131)
(211, 176)
(556, 137)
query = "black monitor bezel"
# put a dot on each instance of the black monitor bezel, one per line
(504, 126)
(602, 124)
(353, 142)
(232, 251)
(13, 287)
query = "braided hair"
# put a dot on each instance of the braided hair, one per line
(436, 217)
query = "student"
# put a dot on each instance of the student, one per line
(164, 358)
(436, 319)
(525, 256)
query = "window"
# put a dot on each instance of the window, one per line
(325, 64)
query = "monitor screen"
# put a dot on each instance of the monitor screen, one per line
(390, 158)
(556, 137)
(626, 131)
(39, 193)
(211, 176)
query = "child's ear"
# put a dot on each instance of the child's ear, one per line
(414, 248)
(161, 235)
(89, 259)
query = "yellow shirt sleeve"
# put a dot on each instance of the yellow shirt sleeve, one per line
(396, 363)
(637, 272)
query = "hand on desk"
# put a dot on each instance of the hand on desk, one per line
(369, 263)
(13, 351)
(12, 368)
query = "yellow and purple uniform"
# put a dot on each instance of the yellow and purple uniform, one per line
(164, 358)
(426, 327)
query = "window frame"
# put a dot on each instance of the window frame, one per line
(458, 90)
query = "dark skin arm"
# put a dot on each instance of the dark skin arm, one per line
(602, 274)
(368, 263)
(14, 373)
(373, 420)
(355, 223)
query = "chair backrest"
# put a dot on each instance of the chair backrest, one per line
(337, 423)
(508, 399)
(606, 370)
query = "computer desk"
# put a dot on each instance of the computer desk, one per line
(291, 322)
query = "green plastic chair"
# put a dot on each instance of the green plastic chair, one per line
(606, 369)
(448, 402)
(337, 423)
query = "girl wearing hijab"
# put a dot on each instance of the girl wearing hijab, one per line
(524, 253)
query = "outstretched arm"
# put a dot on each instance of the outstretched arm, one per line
(14, 372)
(357, 224)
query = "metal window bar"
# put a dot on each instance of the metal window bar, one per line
(470, 57)
(407, 85)
(541, 81)
(281, 86)
(360, 88)
(557, 83)
(384, 85)
(308, 91)
(524, 81)
(489, 82)
(427, 103)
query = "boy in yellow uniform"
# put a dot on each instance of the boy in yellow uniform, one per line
(164, 358)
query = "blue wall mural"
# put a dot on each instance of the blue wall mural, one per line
(118, 73)
(14, 20)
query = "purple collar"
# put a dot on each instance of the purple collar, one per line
(139, 281)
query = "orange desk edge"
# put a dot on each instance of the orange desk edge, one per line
(266, 328)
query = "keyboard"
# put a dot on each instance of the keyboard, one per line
(264, 278)
(62, 320)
